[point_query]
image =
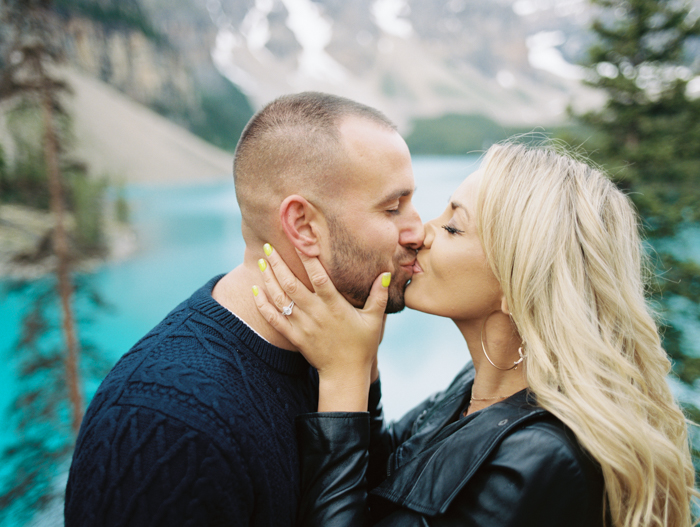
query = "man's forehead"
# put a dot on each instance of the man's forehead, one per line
(377, 164)
(379, 194)
(359, 133)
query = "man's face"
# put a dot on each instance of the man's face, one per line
(374, 227)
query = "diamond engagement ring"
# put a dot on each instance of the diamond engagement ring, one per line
(288, 309)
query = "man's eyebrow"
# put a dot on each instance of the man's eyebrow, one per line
(397, 195)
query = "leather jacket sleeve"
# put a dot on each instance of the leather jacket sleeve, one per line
(384, 439)
(334, 454)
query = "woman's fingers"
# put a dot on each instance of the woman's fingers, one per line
(285, 279)
(321, 282)
(275, 293)
(277, 320)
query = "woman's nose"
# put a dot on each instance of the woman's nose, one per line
(429, 229)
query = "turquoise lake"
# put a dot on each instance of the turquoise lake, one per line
(187, 234)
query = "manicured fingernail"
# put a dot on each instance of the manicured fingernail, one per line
(386, 279)
(262, 264)
(268, 249)
(255, 290)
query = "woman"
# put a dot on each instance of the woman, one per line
(564, 416)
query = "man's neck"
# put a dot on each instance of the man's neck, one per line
(234, 292)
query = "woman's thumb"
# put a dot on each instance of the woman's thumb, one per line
(379, 294)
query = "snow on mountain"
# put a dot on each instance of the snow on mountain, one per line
(508, 60)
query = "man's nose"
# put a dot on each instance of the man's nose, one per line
(412, 232)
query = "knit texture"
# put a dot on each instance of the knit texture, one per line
(194, 426)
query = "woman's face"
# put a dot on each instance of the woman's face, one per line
(452, 277)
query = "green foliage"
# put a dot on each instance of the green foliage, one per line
(39, 415)
(223, 113)
(88, 201)
(648, 133)
(455, 134)
(3, 169)
(121, 206)
(45, 414)
(24, 180)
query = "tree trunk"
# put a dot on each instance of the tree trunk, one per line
(60, 243)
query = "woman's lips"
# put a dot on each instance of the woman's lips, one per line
(416, 267)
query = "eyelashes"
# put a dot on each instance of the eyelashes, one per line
(452, 230)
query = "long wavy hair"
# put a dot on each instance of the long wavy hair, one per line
(564, 244)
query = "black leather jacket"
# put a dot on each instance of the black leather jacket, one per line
(509, 464)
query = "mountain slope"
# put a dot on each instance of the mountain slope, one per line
(130, 142)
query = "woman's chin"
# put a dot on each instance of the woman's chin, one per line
(419, 298)
(413, 296)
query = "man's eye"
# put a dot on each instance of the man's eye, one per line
(452, 230)
(393, 211)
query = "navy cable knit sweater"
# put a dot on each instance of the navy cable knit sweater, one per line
(194, 426)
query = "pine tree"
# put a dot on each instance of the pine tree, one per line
(648, 134)
(48, 412)
(33, 464)
(27, 75)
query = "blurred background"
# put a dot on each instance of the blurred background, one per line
(118, 119)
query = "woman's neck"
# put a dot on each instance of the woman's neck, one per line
(500, 344)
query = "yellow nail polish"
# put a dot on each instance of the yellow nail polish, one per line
(268, 249)
(386, 279)
(255, 290)
(262, 264)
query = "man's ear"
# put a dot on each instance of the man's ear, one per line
(300, 223)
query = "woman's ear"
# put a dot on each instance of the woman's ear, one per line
(300, 223)
(504, 306)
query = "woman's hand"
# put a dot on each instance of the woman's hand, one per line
(339, 340)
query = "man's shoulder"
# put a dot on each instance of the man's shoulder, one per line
(164, 466)
(200, 390)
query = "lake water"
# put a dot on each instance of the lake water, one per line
(189, 234)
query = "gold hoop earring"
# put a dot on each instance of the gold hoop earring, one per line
(483, 347)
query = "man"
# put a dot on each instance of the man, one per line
(194, 426)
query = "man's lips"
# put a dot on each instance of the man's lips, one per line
(409, 266)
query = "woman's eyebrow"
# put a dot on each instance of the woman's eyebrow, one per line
(457, 205)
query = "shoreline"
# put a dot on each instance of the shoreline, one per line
(119, 139)
(24, 232)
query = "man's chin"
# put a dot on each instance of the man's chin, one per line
(354, 301)
(397, 307)
(397, 301)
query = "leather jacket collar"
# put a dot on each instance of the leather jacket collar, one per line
(427, 472)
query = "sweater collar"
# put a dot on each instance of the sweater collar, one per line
(282, 360)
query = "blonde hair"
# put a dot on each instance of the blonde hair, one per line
(563, 242)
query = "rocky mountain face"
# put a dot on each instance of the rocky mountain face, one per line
(510, 60)
(160, 58)
(125, 58)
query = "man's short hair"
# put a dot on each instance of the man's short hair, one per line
(293, 145)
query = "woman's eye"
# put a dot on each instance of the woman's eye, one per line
(452, 230)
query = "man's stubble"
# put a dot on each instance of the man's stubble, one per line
(354, 268)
